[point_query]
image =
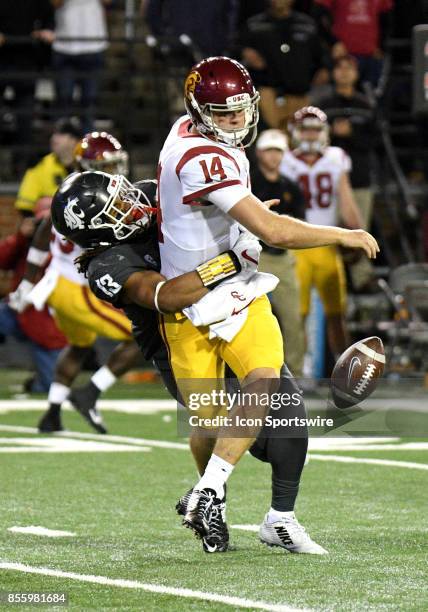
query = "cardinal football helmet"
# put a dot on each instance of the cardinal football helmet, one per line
(219, 85)
(309, 118)
(96, 209)
(101, 151)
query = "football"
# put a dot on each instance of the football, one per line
(357, 372)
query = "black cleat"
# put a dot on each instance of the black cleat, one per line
(86, 406)
(181, 505)
(204, 513)
(50, 422)
(217, 539)
(198, 511)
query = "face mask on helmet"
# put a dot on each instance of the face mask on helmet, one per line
(231, 136)
(310, 134)
(126, 211)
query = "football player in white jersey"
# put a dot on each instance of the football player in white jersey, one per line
(79, 313)
(323, 174)
(204, 200)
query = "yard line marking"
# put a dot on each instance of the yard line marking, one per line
(153, 406)
(389, 462)
(238, 602)
(132, 406)
(56, 444)
(180, 446)
(41, 531)
(246, 527)
(106, 437)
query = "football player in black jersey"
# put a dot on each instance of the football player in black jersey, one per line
(113, 222)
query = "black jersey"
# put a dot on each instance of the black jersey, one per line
(108, 272)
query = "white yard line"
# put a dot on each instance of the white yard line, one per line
(387, 462)
(102, 437)
(141, 442)
(153, 406)
(246, 527)
(131, 406)
(237, 602)
(41, 531)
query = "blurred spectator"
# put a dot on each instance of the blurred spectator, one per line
(352, 128)
(267, 183)
(192, 30)
(357, 27)
(32, 22)
(283, 52)
(37, 328)
(44, 178)
(79, 62)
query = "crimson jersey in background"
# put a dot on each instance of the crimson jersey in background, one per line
(356, 23)
(38, 326)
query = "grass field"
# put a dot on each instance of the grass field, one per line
(116, 494)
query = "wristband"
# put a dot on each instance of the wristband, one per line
(213, 271)
(37, 257)
(155, 299)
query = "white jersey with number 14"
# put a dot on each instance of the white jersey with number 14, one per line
(199, 181)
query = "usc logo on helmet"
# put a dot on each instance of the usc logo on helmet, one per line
(191, 81)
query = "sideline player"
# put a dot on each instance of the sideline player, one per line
(204, 198)
(126, 273)
(79, 314)
(323, 174)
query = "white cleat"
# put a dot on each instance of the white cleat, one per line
(289, 534)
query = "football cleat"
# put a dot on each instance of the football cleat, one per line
(217, 539)
(198, 511)
(181, 505)
(50, 422)
(85, 405)
(289, 534)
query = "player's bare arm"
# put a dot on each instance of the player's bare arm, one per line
(39, 250)
(286, 232)
(348, 207)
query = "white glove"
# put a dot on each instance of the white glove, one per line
(247, 249)
(18, 299)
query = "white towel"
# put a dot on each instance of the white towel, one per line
(40, 292)
(225, 308)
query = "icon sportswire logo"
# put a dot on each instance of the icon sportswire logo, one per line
(354, 362)
(73, 217)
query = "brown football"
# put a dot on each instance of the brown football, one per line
(357, 371)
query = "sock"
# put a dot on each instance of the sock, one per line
(284, 493)
(216, 473)
(275, 515)
(103, 378)
(58, 393)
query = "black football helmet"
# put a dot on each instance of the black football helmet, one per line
(95, 209)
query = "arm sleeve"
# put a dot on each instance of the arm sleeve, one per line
(212, 176)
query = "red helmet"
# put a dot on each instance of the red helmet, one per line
(310, 118)
(101, 151)
(221, 84)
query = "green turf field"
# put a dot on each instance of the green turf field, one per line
(117, 493)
